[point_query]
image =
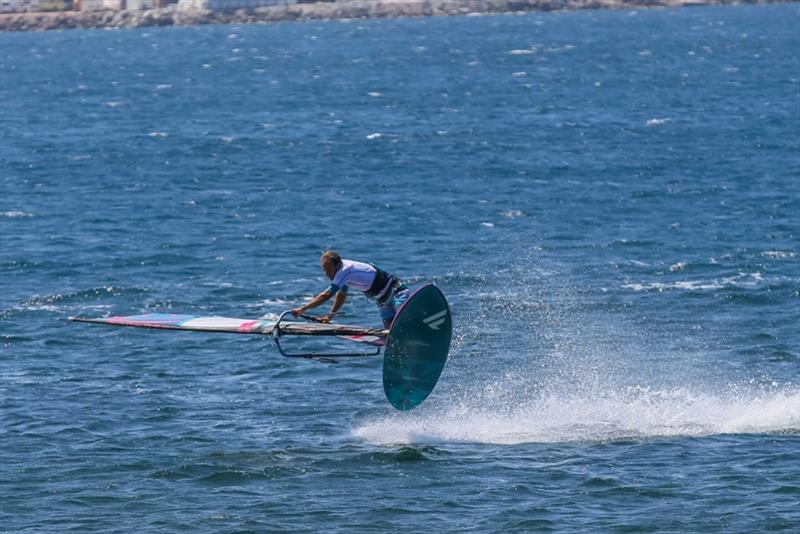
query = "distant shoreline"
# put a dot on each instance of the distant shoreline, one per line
(340, 9)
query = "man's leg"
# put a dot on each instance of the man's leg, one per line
(391, 305)
(387, 312)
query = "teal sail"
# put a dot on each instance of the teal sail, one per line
(417, 347)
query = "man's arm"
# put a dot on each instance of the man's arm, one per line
(338, 302)
(320, 299)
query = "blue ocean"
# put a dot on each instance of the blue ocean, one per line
(610, 201)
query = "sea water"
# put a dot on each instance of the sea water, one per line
(608, 199)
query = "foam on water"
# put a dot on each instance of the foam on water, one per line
(740, 281)
(15, 214)
(634, 413)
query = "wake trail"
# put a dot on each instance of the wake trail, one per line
(635, 413)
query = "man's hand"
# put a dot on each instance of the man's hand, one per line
(316, 301)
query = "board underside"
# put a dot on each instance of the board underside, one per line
(417, 347)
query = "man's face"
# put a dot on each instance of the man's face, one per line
(328, 269)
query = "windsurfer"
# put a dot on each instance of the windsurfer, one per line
(386, 289)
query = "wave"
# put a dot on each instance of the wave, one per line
(83, 295)
(633, 413)
(87, 299)
(15, 214)
(740, 281)
(778, 254)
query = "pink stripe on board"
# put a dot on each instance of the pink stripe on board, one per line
(248, 326)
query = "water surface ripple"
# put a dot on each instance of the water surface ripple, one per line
(609, 200)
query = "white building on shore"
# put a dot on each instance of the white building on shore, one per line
(116, 5)
(230, 5)
(141, 4)
(101, 5)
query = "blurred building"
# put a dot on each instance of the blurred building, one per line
(141, 4)
(21, 6)
(18, 6)
(116, 5)
(229, 5)
(13, 6)
(101, 5)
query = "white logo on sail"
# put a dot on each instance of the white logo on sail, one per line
(436, 320)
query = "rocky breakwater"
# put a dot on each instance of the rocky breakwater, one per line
(342, 9)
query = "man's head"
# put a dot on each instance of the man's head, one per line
(331, 262)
